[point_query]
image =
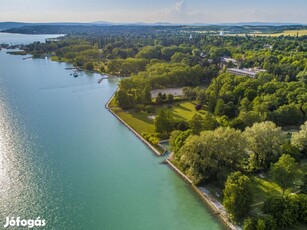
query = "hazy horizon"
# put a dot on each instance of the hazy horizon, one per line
(171, 11)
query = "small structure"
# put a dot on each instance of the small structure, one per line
(228, 60)
(49, 40)
(245, 72)
(203, 55)
(267, 46)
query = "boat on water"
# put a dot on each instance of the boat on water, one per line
(75, 74)
(100, 80)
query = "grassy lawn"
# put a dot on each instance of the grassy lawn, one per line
(293, 33)
(112, 103)
(263, 188)
(285, 33)
(180, 111)
(140, 122)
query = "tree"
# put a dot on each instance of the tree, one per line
(170, 98)
(303, 187)
(284, 171)
(285, 209)
(209, 122)
(266, 222)
(287, 115)
(212, 154)
(164, 122)
(219, 108)
(177, 139)
(124, 100)
(264, 143)
(159, 99)
(302, 202)
(237, 195)
(146, 95)
(302, 76)
(299, 139)
(288, 148)
(249, 224)
(89, 66)
(196, 124)
(149, 52)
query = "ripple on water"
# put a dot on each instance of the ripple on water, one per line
(24, 181)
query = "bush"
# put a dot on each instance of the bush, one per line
(260, 223)
(151, 137)
(302, 201)
(198, 107)
(89, 66)
(139, 108)
(149, 108)
(182, 125)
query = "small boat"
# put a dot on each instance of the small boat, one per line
(100, 80)
(27, 58)
(75, 74)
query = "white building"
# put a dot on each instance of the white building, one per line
(245, 72)
(228, 60)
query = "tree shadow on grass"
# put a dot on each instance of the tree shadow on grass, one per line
(143, 117)
(182, 108)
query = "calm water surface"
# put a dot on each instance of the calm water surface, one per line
(66, 159)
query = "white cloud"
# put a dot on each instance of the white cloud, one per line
(177, 8)
(180, 6)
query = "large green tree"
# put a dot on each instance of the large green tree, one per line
(284, 209)
(196, 124)
(303, 186)
(284, 171)
(124, 99)
(164, 122)
(237, 195)
(212, 154)
(177, 139)
(264, 144)
(299, 139)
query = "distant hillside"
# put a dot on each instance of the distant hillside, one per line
(144, 28)
(8, 25)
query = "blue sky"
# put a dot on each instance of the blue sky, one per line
(177, 11)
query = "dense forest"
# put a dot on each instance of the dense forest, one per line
(238, 132)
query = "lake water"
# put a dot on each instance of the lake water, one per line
(66, 159)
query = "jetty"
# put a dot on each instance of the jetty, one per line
(100, 80)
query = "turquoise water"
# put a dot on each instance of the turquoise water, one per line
(166, 145)
(17, 39)
(66, 159)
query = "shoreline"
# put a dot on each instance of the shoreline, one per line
(130, 128)
(207, 198)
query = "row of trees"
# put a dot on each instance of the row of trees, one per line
(240, 101)
(159, 75)
(212, 154)
(227, 156)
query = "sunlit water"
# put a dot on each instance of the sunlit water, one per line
(66, 159)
